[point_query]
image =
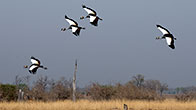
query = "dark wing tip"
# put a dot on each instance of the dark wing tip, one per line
(66, 17)
(158, 25)
(83, 6)
(29, 71)
(172, 46)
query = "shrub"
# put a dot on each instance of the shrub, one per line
(101, 92)
(8, 92)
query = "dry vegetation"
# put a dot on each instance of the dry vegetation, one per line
(99, 105)
(138, 94)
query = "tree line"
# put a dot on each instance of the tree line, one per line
(45, 89)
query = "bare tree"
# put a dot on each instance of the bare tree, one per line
(156, 85)
(39, 90)
(100, 92)
(163, 87)
(61, 89)
(22, 80)
(74, 82)
(138, 80)
(153, 85)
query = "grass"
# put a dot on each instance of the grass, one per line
(99, 105)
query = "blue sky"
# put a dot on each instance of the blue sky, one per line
(121, 46)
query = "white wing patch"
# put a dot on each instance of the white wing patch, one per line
(33, 67)
(71, 22)
(89, 11)
(74, 29)
(33, 61)
(92, 18)
(163, 30)
(168, 40)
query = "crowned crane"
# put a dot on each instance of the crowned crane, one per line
(167, 36)
(92, 15)
(125, 107)
(34, 66)
(73, 26)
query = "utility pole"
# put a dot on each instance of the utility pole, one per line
(74, 82)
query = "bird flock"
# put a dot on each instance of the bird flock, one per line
(93, 18)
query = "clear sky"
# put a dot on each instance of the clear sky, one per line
(121, 46)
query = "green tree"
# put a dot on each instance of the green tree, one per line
(8, 92)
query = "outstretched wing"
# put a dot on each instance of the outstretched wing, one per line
(71, 21)
(33, 68)
(35, 61)
(89, 10)
(163, 30)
